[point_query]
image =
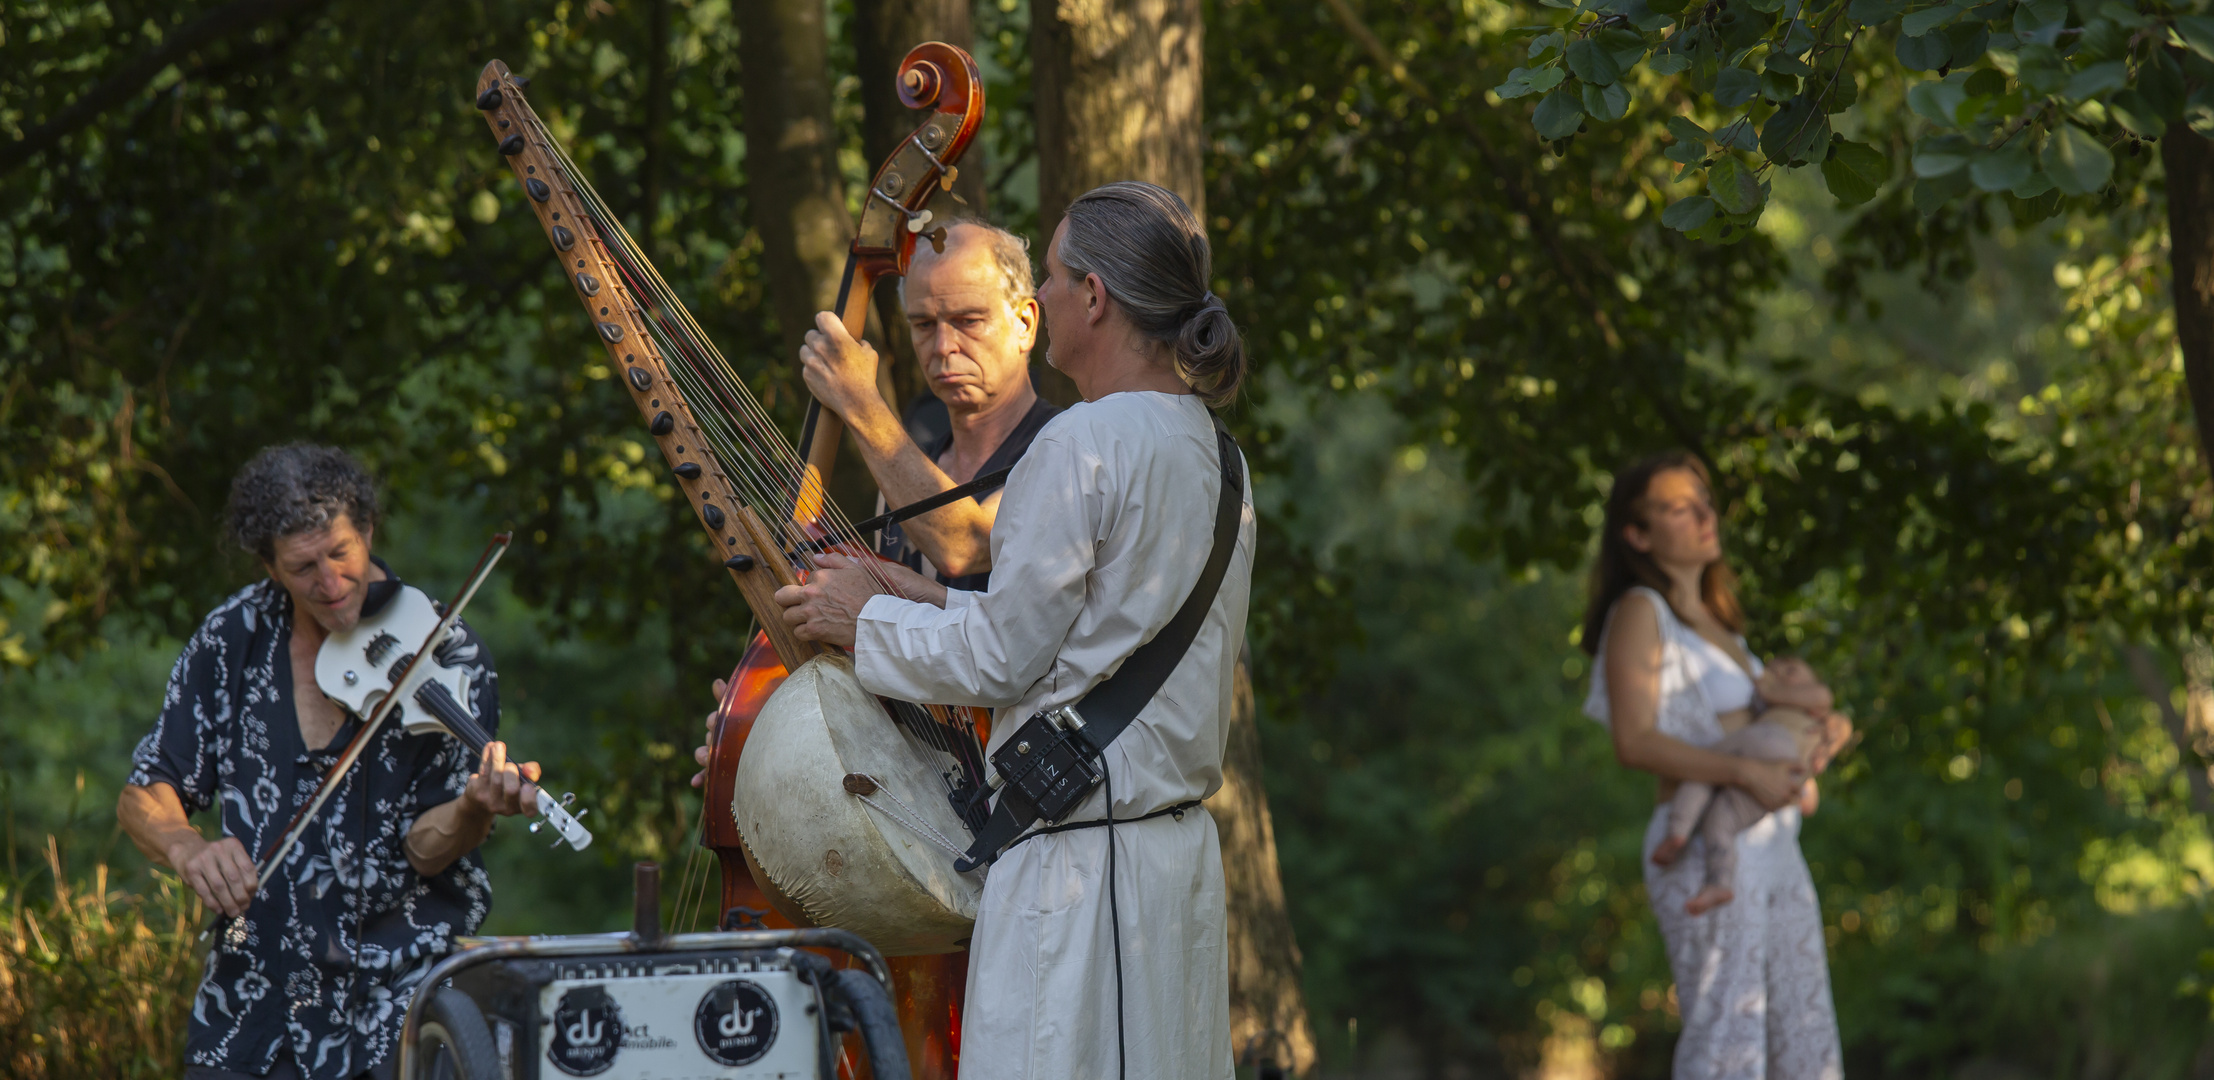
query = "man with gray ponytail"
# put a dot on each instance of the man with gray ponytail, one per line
(1098, 951)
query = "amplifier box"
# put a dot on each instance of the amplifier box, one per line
(723, 1015)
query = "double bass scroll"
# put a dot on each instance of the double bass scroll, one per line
(894, 214)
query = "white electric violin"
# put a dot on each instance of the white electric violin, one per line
(359, 668)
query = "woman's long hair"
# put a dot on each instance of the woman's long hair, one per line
(1621, 567)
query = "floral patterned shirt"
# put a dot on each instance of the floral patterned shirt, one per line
(326, 957)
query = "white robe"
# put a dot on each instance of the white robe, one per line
(1104, 528)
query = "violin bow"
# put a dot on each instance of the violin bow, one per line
(410, 678)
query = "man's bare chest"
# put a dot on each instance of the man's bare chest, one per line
(319, 717)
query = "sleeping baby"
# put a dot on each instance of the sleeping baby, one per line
(1795, 724)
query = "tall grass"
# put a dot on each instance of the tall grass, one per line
(95, 982)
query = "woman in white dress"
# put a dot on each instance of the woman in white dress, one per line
(1752, 978)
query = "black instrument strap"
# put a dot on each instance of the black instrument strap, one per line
(954, 494)
(1113, 704)
(1179, 810)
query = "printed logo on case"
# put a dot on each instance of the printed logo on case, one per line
(736, 1022)
(587, 1031)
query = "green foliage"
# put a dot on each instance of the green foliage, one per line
(2031, 96)
(1962, 564)
(1463, 325)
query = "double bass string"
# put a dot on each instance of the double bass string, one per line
(743, 439)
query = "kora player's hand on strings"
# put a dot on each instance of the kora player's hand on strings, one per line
(829, 605)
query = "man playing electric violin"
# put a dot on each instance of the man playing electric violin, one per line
(1104, 530)
(311, 976)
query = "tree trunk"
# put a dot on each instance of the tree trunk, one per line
(1268, 1013)
(792, 181)
(1117, 87)
(655, 160)
(796, 191)
(884, 31)
(2188, 160)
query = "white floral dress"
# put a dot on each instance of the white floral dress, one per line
(1752, 976)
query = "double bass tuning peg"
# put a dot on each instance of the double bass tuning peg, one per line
(937, 238)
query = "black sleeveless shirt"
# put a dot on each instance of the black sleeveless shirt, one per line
(933, 433)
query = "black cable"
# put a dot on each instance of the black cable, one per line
(1114, 915)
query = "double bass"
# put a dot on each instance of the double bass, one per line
(763, 503)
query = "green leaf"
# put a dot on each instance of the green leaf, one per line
(1626, 46)
(1734, 87)
(2199, 111)
(1942, 155)
(1606, 102)
(1925, 53)
(1769, 7)
(1874, 12)
(2004, 168)
(2039, 23)
(1686, 152)
(1559, 115)
(2129, 108)
(1737, 135)
(1733, 187)
(1922, 22)
(1667, 7)
(2124, 14)
(1967, 41)
(2097, 79)
(2160, 82)
(1591, 63)
(1524, 81)
(1682, 128)
(2031, 209)
(1543, 42)
(1687, 214)
(1779, 88)
(1936, 191)
(1668, 64)
(1985, 82)
(1786, 64)
(2040, 70)
(1796, 134)
(2033, 185)
(1798, 38)
(1935, 101)
(2076, 161)
(1840, 94)
(2102, 40)
(2197, 32)
(1855, 171)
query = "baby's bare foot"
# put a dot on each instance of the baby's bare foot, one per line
(1668, 849)
(1837, 734)
(1709, 898)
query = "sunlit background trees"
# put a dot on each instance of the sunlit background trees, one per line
(1958, 458)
